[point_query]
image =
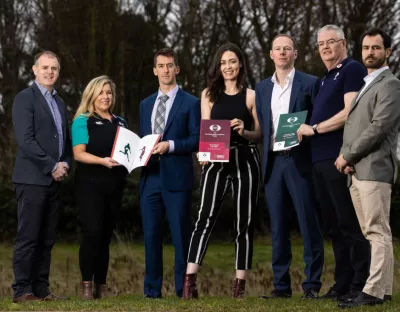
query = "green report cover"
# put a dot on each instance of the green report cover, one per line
(286, 133)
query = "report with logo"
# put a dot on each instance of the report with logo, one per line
(286, 133)
(132, 151)
(215, 136)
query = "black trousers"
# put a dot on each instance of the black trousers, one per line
(242, 174)
(98, 203)
(38, 211)
(340, 223)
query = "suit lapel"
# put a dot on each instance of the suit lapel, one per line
(39, 96)
(295, 91)
(376, 80)
(175, 107)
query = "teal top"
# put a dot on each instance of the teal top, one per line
(80, 133)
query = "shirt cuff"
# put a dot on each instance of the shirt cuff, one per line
(171, 146)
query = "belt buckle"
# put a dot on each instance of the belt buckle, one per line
(284, 153)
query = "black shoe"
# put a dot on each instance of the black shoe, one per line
(278, 294)
(362, 299)
(310, 294)
(349, 296)
(331, 294)
(387, 298)
(151, 297)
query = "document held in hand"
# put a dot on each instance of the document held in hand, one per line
(215, 136)
(286, 133)
(132, 151)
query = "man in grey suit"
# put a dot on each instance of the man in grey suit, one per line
(369, 155)
(43, 158)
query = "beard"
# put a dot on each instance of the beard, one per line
(376, 62)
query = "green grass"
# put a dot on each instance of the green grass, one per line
(214, 304)
(125, 281)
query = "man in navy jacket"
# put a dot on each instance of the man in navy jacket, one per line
(167, 181)
(287, 174)
(43, 158)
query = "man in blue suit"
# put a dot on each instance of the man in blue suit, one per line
(287, 174)
(43, 158)
(167, 181)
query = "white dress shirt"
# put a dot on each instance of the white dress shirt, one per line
(168, 104)
(369, 78)
(280, 100)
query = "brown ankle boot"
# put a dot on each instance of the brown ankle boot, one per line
(87, 290)
(189, 287)
(238, 288)
(100, 291)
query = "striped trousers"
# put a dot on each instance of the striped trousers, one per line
(242, 175)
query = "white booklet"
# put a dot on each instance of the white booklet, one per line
(132, 151)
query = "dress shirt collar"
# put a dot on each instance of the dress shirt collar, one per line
(374, 74)
(288, 78)
(171, 94)
(45, 91)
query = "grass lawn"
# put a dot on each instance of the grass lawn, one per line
(125, 281)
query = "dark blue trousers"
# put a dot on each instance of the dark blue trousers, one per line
(155, 201)
(284, 186)
(38, 210)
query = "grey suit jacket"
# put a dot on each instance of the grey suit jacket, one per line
(371, 129)
(37, 137)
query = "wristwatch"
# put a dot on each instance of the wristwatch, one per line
(315, 129)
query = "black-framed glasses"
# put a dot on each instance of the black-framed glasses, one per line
(329, 42)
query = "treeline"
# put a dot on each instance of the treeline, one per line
(119, 38)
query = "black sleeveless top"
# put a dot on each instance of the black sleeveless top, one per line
(229, 107)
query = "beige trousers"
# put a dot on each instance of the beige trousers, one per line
(371, 201)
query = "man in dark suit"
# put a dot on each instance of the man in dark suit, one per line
(43, 158)
(369, 153)
(287, 174)
(167, 181)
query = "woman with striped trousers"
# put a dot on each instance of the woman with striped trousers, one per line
(227, 98)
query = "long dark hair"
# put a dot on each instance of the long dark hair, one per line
(215, 81)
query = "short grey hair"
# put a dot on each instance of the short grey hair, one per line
(339, 31)
(48, 53)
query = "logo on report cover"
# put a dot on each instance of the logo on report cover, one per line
(215, 128)
(292, 119)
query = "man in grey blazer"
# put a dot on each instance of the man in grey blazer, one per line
(43, 158)
(369, 155)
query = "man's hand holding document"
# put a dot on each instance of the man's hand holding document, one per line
(286, 132)
(132, 151)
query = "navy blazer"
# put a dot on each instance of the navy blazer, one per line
(183, 127)
(37, 137)
(304, 89)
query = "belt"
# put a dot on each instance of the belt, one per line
(238, 145)
(286, 153)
